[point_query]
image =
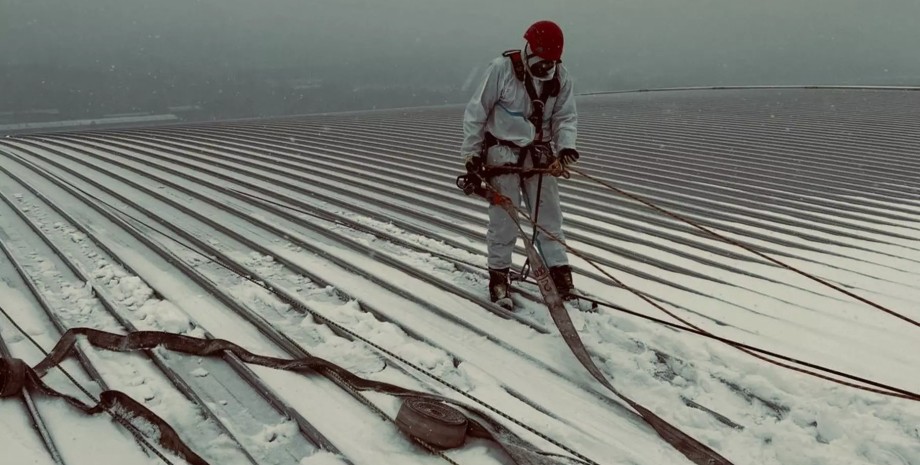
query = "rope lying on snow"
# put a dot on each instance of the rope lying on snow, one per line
(15, 375)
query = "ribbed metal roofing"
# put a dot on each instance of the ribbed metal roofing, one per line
(825, 180)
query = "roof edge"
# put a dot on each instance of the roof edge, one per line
(791, 86)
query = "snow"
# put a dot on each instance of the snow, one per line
(323, 458)
(449, 345)
(76, 435)
(20, 443)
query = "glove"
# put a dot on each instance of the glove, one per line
(474, 164)
(471, 183)
(568, 156)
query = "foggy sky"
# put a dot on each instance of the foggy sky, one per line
(610, 45)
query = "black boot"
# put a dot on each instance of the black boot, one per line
(562, 278)
(500, 288)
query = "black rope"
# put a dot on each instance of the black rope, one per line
(525, 269)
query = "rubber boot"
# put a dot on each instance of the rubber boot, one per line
(500, 288)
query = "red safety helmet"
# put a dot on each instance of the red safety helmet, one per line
(545, 39)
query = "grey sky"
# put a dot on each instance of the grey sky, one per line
(610, 44)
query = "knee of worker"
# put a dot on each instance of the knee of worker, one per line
(551, 219)
(547, 189)
(503, 230)
(550, 210)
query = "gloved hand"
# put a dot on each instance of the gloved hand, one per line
(568, 156)
(474, 164)
(472, 182)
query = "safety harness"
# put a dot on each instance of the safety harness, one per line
(550, 89)
(538, 104)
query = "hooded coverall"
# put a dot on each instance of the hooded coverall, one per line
(501, 106)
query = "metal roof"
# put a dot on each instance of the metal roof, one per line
(825, 180)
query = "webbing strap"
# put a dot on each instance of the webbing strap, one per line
(555, 169)
(538, 102)
(16, 376)
(694, 450)
(480, 424)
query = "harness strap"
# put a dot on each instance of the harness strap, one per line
(553, 170)
(518, 167)
(538, 102)
(517, 62)
(490, 141)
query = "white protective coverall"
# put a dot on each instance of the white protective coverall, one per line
(501, 106)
